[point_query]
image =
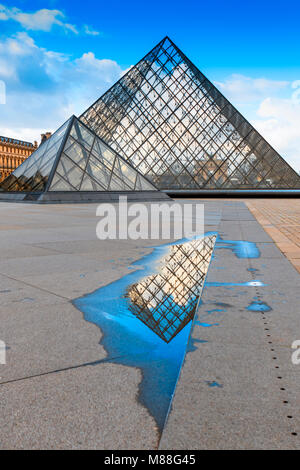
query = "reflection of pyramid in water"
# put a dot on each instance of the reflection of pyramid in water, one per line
(74, 159)
(166, 302)
(173, 125)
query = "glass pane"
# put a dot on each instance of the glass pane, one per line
(31, 162)
(75, 176)
(64, 166)
(59, 184)
(108, 157)
(98, 172)
(128, 173)
(31, 170)
(39, 186)
(138, 186)
(71, 173)
(89, 185)
(117, 170)
(81, 134)
(146, 186)
(77, 153)
(96, 150)
(116, 184)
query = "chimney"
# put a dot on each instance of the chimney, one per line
(45, 137)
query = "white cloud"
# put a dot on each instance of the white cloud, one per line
(242, 89)
(279, 122)
(45, 87)
(103, 68)
(90, 31)
(7, 71)
(19, 45)
(41, 20)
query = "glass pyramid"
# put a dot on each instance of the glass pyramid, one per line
(75, 159)
(173, 125)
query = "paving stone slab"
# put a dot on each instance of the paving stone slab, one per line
(93, 407)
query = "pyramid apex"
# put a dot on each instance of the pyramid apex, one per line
(167, 38)
(164, 39)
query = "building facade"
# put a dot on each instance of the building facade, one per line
(13, 153)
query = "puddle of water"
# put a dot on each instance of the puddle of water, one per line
(241, 248)
(258, 307)
(215, 310)
(26, 299)
(146, 316)
(214, 384)
(206, 325)
(253, 283)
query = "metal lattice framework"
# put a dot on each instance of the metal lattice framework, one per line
(173, 125)
(167, 301)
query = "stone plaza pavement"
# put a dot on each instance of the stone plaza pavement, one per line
(280, 218)
(238, 389)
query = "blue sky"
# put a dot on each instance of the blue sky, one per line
(56, 57)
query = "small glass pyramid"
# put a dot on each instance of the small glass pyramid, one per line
(75, 159)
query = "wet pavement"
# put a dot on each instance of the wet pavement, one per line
(61, 388)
